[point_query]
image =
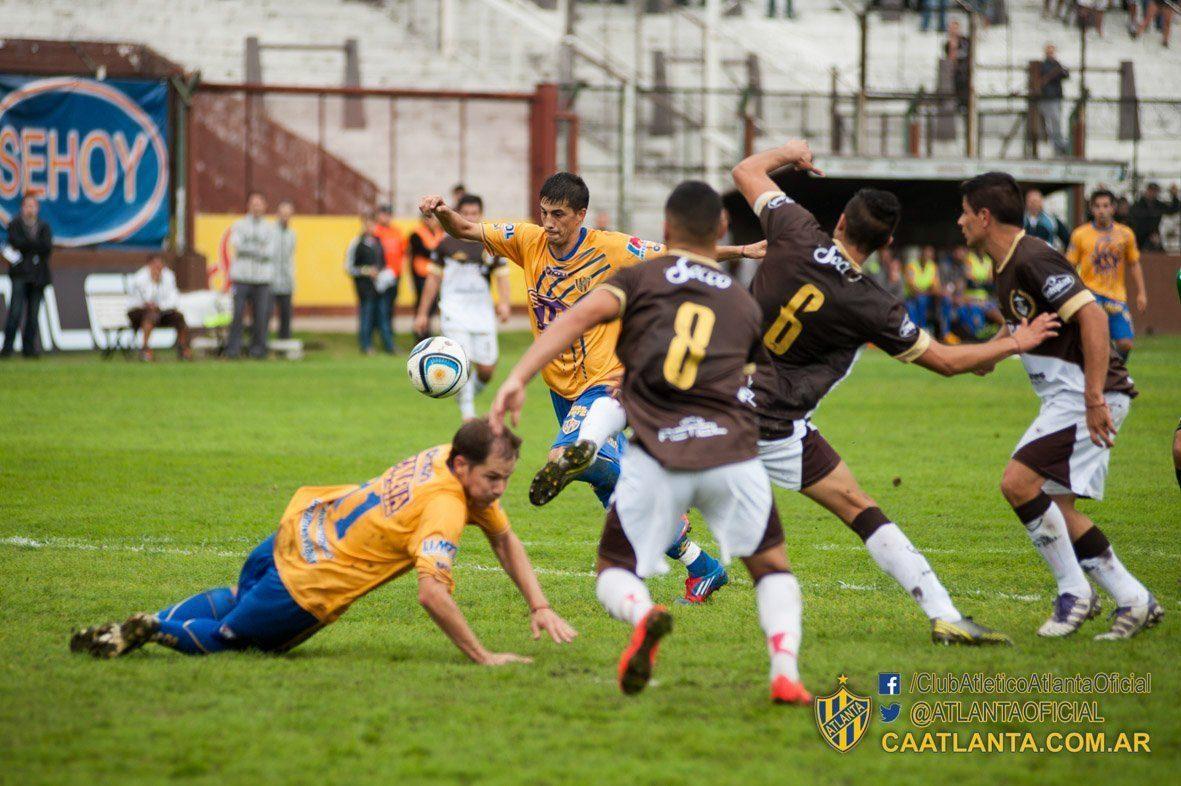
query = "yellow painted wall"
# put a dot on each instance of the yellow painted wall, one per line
(320, 245)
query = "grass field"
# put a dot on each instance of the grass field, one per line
(126, 486)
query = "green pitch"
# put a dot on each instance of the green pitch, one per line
(124, 486)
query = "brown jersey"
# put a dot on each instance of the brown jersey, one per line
(688, 336)
(1033, 279)
(818, 311)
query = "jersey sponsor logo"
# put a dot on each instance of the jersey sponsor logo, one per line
(686, 270)
(1022, 304)
(508, 230)
(639, 248)
(775, 202)
(1056, 285)
(691, 427)
(832, 257)
(442, 551)
(908, 327)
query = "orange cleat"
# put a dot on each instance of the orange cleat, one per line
(784, 691)
(635, 665)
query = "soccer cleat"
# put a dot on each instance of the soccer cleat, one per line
(1130, 620)
(557, 473)
(966, 631)
(114, 639)
(698, 590)
(785, 691)
(1070, 612)
(635, 665)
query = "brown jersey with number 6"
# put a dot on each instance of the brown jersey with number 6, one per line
(688, 339)
(818, 312)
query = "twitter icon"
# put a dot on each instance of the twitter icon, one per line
(889, 712)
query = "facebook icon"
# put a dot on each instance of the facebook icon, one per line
(889, 684)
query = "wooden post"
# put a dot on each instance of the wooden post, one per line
(543, 138)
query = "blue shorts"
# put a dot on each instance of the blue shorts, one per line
(570, 415)
(1119, 318)
(266, 616)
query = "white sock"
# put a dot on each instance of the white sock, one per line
(467, 400)
(480, 385)
(780, 609)
(603, 420)
(623, 595)
(690, 554)
(1097, 558)
(1048, 532)
(894, 553)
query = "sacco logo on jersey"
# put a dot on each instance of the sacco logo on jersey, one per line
(832, 257)
(685, 270)
(95, 153)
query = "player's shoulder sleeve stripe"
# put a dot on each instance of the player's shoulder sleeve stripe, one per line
(618, 293)
(765, 199)
(1068, 309)
(921, 345)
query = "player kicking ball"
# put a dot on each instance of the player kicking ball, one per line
(1085, 392)
(460, 274)
(337, 543)
(688, 335)
(563, 261)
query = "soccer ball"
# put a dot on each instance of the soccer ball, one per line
(438, 367)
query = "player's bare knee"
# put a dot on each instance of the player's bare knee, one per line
(1018, 485)
(767, 561)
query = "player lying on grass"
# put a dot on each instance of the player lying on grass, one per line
(337, 543)
(688, 334)
(1085, 394)
(562, 261)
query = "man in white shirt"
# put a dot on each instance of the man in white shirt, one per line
(283, 285)
(154, 298)
(461, 274)
(251, 273)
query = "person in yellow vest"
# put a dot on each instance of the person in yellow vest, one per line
(424, 239)
(923, 290)
(1101, 251)
(978, 307)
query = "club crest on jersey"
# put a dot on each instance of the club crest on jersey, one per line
(842, 716)
(1022, 304)
(1056, 285)
(908, 327)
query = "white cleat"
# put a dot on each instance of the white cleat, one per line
(1130, 620)
(1070, 612)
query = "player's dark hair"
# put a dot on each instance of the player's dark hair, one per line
(998, 192)
(1101, 192)
(475, 442)
(566, 188)
(871, 217)
(470, 199)
(695, 209)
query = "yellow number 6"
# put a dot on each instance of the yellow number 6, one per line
(786, 329)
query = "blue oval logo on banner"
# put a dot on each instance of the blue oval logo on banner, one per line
(95, 153)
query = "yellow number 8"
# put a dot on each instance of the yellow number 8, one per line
(693, 326)
(786, 329)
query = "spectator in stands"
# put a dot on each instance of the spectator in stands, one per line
(773, 6)
(393, 244)
(1161, 12)
(30, 244)
(252, 239)
(366, 261)
(1051, 75)
(423, 241)
(1090, 14)
(931, 7)
(1146, 212)
(154, 300)
(923, 288)
(957, 50)
(458, 192)
(884, 268)
(1041, 224)
(978, 308)
(283, 286)
(603, 221)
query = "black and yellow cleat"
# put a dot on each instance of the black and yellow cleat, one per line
(966, 632)
(557, 474)
(114, 639)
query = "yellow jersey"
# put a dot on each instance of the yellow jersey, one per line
(336, 543)
(1100, 256)
(555, 285)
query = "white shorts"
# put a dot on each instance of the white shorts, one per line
(480, 346)
(645, 515)
(800, 460)
(1058, 446)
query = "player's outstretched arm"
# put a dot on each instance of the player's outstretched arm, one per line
(752, 176)
(951, 360)
(600, 306)
(437, 601)
(430, 290)
(511, 554)
(453, 223)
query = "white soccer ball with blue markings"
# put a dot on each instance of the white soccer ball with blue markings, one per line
(438, 367)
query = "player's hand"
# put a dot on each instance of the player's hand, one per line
(545, 619)
(798, 152)
(503, 312)
(1029, 334)
(503, 658)
(420, 325)
(429, 205)
(1141, 302)
(1100, 425)
(510, 399)
(755, 250)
